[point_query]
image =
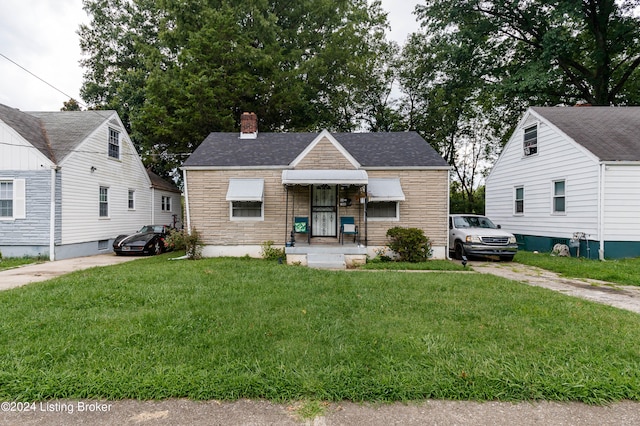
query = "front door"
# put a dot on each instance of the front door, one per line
(323, 209)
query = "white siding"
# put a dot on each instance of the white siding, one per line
(558, 158)
(18, 154)
(622, 203)
(80, 189)
(166, 217)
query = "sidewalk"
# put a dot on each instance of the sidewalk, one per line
(179, 412)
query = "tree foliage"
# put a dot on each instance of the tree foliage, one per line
(550, 50)
(179, 69)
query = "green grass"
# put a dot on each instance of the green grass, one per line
(622, 271)
(430, 265)
(242, 328)
(12, 262)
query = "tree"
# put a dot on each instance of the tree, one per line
(70, 105)
(178, 70)
(443, 83)
(550, 50)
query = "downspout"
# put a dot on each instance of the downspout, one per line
(446, 224)
(52, 216)
(601, 210)
(186, 200)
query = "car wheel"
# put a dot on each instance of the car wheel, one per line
(157, 248)
(459, 251)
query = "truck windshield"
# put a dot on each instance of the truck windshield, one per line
(473, 222)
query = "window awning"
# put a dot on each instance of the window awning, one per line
(329, 177)
(385, 189)
(245, 190)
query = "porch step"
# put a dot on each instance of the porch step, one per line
(326, 261)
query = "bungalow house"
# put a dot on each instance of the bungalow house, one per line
(69, 183)
(571, 175)
(320, 195)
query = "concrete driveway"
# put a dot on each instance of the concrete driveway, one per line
(23, 275)
(621, 296)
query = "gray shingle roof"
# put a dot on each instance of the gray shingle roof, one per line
(396, 149)
(67, 129)
(28, 127)
(609, 133)
(159, 183)
(55, 134)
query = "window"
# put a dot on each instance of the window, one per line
(132, 199)
(104, 201)
(385, 195)
(103, 244)
(518, 207)
(166, 204)
(245, 198)
(246, 209)
(530, 144)
(6, 199)
(114, 144)
(559, 202)
(382, 210)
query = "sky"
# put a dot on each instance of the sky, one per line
(41, 37)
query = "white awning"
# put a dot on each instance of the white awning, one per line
(385, 189)
(245, 190)
(329, 177)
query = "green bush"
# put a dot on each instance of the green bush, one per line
(272, 253)
(183, 240)
(409, 244)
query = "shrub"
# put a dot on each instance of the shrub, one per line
(409, 244)
(272, 253)
(183, 240)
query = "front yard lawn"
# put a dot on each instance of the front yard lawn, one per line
(621, 271)
(245, 328)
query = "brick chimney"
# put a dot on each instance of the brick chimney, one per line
(248, 125)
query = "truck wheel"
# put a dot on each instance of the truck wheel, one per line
(459, 251)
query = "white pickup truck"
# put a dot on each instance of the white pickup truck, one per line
(475, 235)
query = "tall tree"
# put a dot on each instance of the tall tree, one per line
(551, 50)
(180, 69)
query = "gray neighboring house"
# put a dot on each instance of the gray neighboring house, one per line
(242, 190)
(70, 181)
(571, 175)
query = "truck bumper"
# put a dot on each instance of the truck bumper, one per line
(486, 250)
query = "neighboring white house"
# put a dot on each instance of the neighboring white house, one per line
(571, 175)
(69, 183)
(166, 199)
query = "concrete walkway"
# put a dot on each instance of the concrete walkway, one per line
(246, 412)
